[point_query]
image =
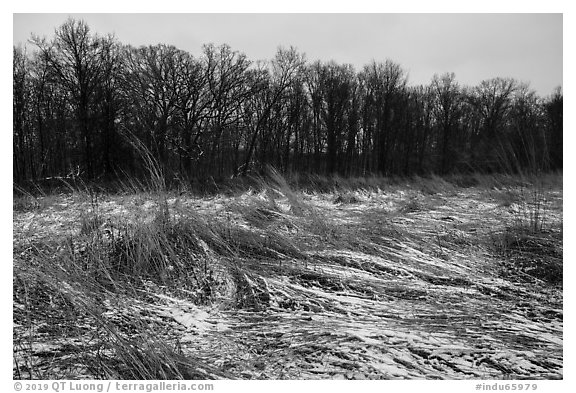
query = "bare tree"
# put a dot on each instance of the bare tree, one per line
(193, 102)
(285, 67)
(492, 100)
(75, 59)
(384, 82)
(229, 88)
(151, 79)
(553, 106)
(20, 102)
(446, 109)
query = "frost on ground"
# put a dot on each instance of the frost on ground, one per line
(370, 285)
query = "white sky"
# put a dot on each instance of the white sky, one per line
(527, 47)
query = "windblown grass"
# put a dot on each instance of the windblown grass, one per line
(367, 279)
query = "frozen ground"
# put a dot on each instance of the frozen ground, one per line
(379, 284)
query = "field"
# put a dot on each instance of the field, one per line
(441, 278)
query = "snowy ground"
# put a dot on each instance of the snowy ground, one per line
(382, 284)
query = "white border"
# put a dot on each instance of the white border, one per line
(262, 6)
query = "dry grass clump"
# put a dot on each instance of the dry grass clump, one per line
(263, 211)
(412, 205)
(62, 312)
(530, 242)
(433, 185)
(346, 198)
(314, 183)
(97, 277)
(464, 180)
(78, 302)
(277, 182)
(506, 197)
(535, 254)
(26, 203)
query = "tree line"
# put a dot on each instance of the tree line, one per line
(80, 100)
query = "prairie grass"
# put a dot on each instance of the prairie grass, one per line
(93, 303)
(190, 255)
(531, 240)
(346, 198)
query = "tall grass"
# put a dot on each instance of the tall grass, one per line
(93, 288)
(70, 299)
(104, 270)
(531, 242)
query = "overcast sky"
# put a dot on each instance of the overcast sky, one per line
(527, 47)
